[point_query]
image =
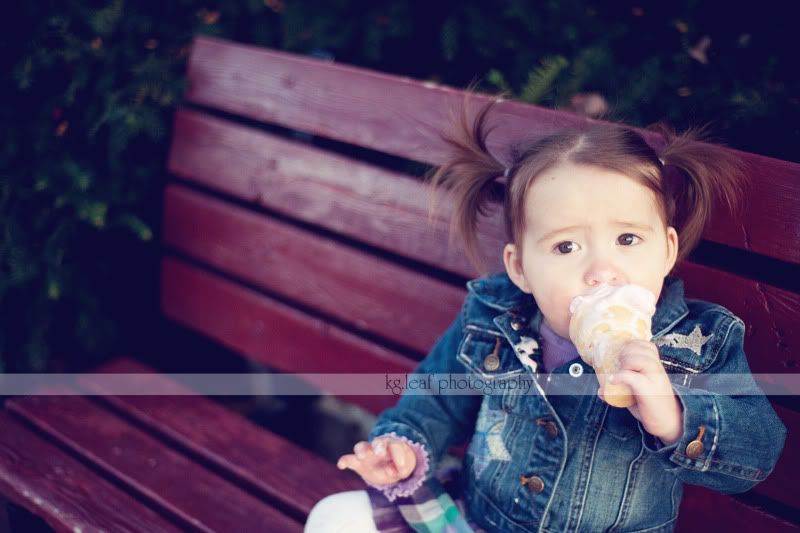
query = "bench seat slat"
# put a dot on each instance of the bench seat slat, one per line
(68, 495)
(166, 478)
(258, 457)
(702, 509)
(272, 333)
(400, 116)
(348, 284)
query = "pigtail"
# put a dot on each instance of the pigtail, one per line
(706, 174)
(468, 174)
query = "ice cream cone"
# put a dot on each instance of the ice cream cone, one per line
(614, 394)
(602, 322)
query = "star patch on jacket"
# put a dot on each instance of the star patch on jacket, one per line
(694, 341)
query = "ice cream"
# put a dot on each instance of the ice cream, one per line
(602, 322)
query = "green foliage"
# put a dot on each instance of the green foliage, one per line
(87, 109)
(91, 87)
(541, 79)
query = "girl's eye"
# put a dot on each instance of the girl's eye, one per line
(628, 239)
(565, 247)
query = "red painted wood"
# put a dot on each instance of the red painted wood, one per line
(703, 510)
(167, 479)
(368, 292)
(250, 454)
(70, 497)
(770, 315)
(378, 207)
(780, 485)
(401, 116)
(351, 285)
(271, 333)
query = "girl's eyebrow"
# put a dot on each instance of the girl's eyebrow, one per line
(626, 224)
(619, 223)
(554, 232)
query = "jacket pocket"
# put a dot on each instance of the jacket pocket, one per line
(692, 347)
(488, 354)
(620, 424)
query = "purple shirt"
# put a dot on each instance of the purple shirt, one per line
(556, 350)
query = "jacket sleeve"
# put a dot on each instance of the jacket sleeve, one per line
(741, 436)
(436, 419)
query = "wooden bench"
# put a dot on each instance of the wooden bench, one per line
(313, 253)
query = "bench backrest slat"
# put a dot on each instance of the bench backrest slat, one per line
(407, 308)
(378, 207)
(770, 314)
(383, 209)
(270, 332)
(343, 283)
(401, 116)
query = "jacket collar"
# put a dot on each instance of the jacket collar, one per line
(497, 291)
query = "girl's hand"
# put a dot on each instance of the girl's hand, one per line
(385, 461)
(657, 407)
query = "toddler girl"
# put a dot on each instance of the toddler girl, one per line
(582, 208)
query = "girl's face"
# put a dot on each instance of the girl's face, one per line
(586, 226)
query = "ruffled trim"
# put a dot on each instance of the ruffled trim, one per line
(407, 486)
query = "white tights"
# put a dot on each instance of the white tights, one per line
(343, 512)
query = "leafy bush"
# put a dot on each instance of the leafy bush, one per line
(91, 88)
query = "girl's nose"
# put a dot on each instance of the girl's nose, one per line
(601, 272)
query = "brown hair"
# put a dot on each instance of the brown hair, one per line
(686, 176)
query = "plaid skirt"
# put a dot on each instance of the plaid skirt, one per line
(436, 507)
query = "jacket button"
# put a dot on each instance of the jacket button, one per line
(576, 370)
(491, 363)
(516, 325)
(534, 484)
(694, 449)
(549, 426)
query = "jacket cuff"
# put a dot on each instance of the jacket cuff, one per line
(406, 487)
(697, 444)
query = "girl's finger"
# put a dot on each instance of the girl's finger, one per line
(396, 450)
(362, 449)
(347, 461)
(644, 347)
(638, 382)
(640, 362)
(391, 471)
(371, 473)
(379, 447)
(404, 458)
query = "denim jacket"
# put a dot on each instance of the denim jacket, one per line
(569, 462)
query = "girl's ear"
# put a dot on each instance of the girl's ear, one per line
(513, 263)
(673, 245)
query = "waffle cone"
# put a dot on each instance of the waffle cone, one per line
(614, 394)
(602, 323)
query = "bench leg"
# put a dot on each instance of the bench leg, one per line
(5, 526)
(20, 518)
